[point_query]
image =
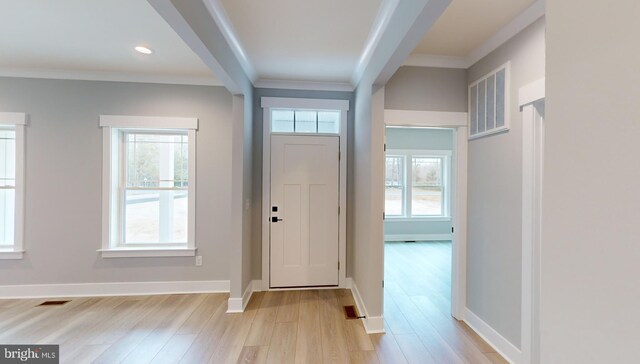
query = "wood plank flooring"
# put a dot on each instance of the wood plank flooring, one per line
(417, 309)
(277, 327)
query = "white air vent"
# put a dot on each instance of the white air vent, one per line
(489, 103)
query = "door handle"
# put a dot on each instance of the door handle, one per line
(275, 219)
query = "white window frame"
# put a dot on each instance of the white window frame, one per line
(408, 155)
(16, 121)
(112, 153)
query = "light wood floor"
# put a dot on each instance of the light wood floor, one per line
(277, 327)
(417, 308)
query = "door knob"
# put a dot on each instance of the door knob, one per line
(275, 219)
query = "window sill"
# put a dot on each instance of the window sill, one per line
(147, 252)
(11, 254)
(423, 219)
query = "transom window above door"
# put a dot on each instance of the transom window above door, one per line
(305, 121)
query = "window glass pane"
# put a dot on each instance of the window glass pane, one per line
(473, 98)
(306, 122)
(282, 121)
(491, 89)
(500, 95)
(394, 186)
(329, 122)
(7, 157)
(156, 216)
(426, 192)
(481, 106)
(7, 216)
(157, 160)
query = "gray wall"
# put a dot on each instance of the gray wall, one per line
(426, 88)
(418, 138)
(64, 179)
(590, 252)
(256, 261)
(495, 194)
(368, 197)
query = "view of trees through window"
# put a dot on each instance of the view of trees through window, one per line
(394, 186)
(414, 185)
(155, 195)
(426, 187)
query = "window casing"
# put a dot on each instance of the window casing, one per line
(149, 191)
(11, 184)
(416, 184)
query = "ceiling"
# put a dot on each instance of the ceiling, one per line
(284, 40)
(467, 24)
(93, 36)
(303, 40)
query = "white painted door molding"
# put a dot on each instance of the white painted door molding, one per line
(458, 122)
(268, 103)
(531, 103)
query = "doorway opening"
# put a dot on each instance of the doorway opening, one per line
(419, 190)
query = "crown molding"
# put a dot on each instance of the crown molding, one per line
(304, 85)
(526, 18)
(220, 16)
(61, 74)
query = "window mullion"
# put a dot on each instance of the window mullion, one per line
(408, 184)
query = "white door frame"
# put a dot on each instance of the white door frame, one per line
(458, 122)
(268, 104)
(531, 97)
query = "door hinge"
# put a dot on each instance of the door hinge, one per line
(383, 216)
(338, 210)
(339, 155)
(383, 283)
(385, 147)
(452, 229)
(338, 265)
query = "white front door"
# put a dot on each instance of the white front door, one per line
(304, 211)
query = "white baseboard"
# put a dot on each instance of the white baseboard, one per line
(372, 325)
(505, 348)
(417, 237)
(237, 305)
(112, 289)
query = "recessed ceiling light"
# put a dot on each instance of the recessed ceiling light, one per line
(143, 50)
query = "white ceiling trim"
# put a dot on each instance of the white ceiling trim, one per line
(378, 28)
(526, 18)
(432, 60)
(219, 14)
(304, 85)
(108, 76)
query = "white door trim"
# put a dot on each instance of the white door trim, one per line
(458, 122)
(531, 97)
(268, 103)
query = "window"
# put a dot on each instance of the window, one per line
(11, 184)
(150, 186)
(488, 103)
(416, 184)
(305, 121)
(394, 186)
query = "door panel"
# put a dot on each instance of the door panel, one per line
(304, 188)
